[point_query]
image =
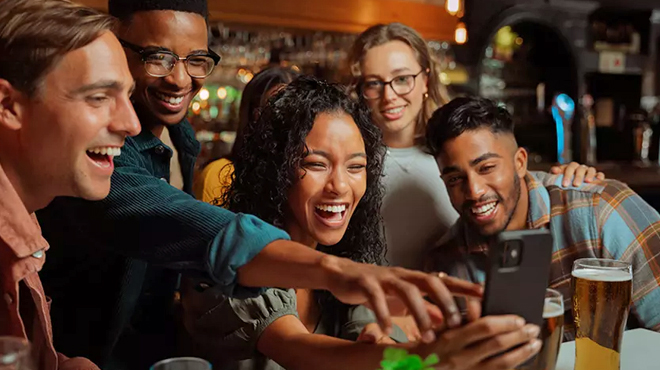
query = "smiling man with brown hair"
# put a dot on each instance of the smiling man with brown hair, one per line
(64, 115)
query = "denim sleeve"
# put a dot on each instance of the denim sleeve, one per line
(147, 219)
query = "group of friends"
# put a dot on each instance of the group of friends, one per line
(340, 214)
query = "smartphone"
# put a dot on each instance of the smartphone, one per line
(517, 274)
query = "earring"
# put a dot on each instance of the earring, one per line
(426, 96)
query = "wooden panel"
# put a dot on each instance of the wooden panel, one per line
(351, 16)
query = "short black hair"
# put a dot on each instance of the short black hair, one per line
(124, 9)
(465, 114)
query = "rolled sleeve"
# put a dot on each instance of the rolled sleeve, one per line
(236, 245)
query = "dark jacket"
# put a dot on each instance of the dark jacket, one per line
(114, 265)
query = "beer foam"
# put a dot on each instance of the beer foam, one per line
(611, 276)
(551, 309)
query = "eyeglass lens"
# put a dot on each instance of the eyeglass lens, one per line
(162, 64)
(401, 85)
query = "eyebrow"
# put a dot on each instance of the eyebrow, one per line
(162, 48)
(326, 155)
(398, 70)
(474, 162)
(100, 85)
(402, 69)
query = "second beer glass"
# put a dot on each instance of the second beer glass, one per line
(552, 332)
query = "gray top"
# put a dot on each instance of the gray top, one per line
(416, 208)
(226, 330)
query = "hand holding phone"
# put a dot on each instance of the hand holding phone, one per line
(517, 274)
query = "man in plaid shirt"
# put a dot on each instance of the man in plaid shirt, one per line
(489, 185)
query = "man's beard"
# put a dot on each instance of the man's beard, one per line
(514, 194)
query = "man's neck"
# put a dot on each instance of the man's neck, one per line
(30, 199)
(157, 130)
(519, 218)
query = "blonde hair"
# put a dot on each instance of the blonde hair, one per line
(36, 34)
(383, 33)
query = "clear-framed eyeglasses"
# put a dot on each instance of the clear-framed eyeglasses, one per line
(401, 85)
(160, 62)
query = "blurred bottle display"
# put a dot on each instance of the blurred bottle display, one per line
(247, 50)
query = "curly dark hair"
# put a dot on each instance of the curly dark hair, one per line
(271, 153)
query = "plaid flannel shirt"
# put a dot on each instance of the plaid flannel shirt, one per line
(605, 219)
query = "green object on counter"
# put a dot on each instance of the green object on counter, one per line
(400, 359)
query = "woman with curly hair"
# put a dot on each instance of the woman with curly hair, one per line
(312, 165)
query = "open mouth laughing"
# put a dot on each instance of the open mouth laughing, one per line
(484, 212)
(331, 214)
(102, 156)
(168, 101)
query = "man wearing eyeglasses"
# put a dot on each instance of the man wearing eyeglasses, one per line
(114, 268)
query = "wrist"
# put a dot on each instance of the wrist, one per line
(332, 268)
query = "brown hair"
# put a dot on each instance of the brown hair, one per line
(383, 33)
(36, 34)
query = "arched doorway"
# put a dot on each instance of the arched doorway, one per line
(524, 64)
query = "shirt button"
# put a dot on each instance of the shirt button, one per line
(38, 254)
(160, 149)
(8, 299)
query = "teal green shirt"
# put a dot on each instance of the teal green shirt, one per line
(115, 257)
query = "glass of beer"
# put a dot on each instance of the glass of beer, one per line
(552, 332)
(602, 291)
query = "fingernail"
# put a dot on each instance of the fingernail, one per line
(520, 322)
(536, 345)
(455, 319)
(532, 331)
(428, 336)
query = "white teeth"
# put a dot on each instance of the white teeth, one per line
(169, 99)
(394, 110)
(106, 150)
(486, 209)
(331, 208)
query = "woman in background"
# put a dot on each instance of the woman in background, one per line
(210, 185)
(311, 165)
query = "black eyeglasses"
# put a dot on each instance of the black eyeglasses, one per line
(159, 62)
(401, 85)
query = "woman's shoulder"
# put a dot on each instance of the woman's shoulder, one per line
(215, 177)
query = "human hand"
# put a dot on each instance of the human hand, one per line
(486, 344)
(390, 288)
(579, 173)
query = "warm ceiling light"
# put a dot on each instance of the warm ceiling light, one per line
(204, 94)
(453, 6)
(222, 93)
(460, 35)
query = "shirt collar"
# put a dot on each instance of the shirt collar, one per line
(538, 215)
(182, 135)
(18, 229)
